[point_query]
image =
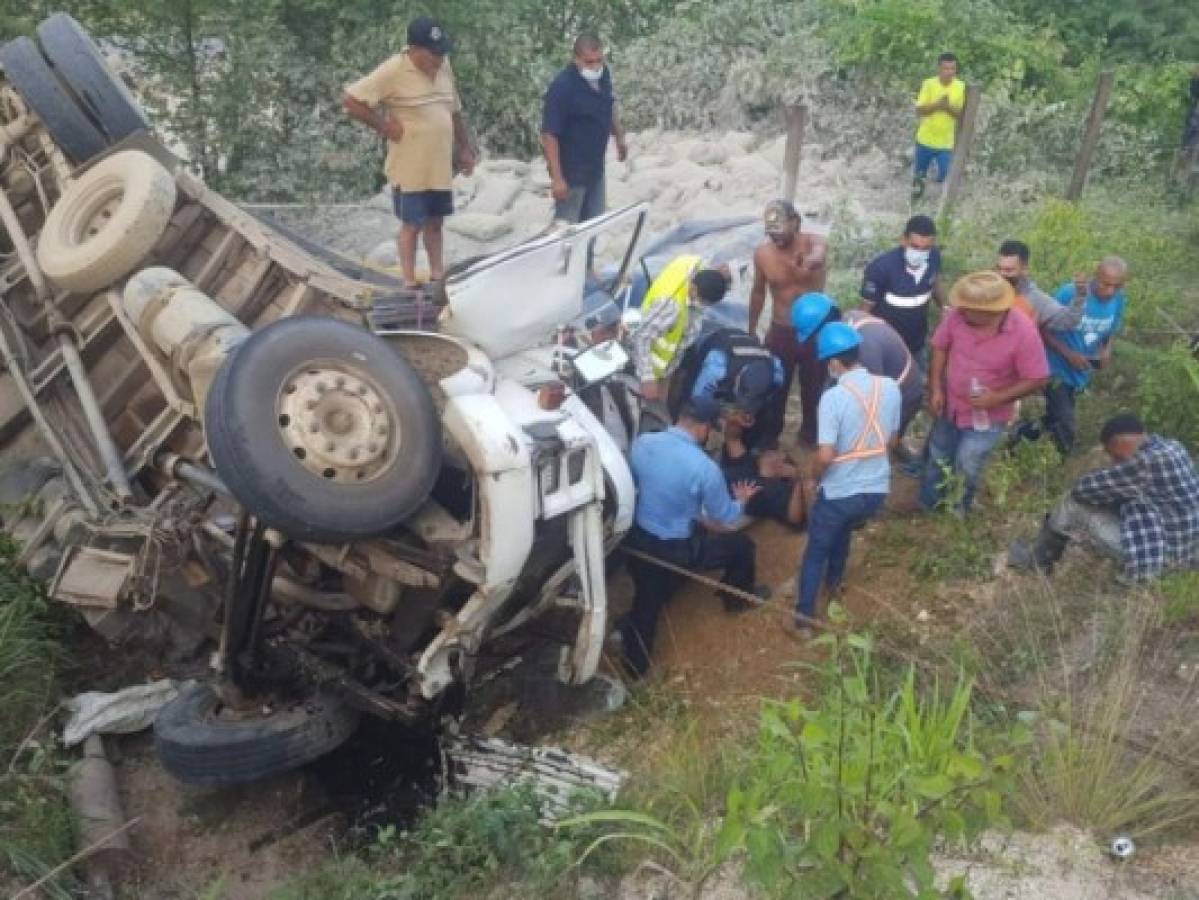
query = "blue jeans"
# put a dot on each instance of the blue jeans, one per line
(963, 451)
(830, 526)
(926, 155)
(585, 201)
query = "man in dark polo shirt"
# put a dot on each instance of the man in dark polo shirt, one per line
(578, 116)
(898, 285)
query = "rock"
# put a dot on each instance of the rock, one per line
(382, 200)
(495, 195)
(384, 255)
(478, 226)
(465, 188)
(515, 167)
(539, 179)
(755, 169)
(708, 154)
(736, 142)
(531, 212)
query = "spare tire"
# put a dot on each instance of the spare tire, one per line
(106, 222)
(72, 131)
(200, 742)
(322, 430)
(100, 91)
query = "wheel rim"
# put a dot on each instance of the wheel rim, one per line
(337, 422)
(94, 216)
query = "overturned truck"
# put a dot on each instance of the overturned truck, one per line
(349, 499)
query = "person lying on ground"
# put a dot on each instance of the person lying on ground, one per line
(1143, 511)
(1075, 352)
(859, 424)
(1043, 310)
(985, 358)
(790, 262)
(783, 495)
(882, 351)
(672, 319)
(684, 516)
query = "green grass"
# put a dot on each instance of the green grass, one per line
(35, 824)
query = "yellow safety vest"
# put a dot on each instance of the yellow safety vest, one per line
(673, 285)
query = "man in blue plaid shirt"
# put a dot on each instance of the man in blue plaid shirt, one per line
(1142, 511)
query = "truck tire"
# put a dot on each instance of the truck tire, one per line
(26, 70)
(323, 431)
(101, 92)
(107, 222)
(200, 743)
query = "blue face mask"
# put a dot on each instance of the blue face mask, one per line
(915, 258)
(592, 75)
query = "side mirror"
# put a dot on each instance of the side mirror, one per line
(599, 362)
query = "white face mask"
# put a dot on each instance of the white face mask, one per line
(592, 75)
(915, 258)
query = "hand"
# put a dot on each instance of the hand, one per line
(1081, 283)
(651, 390)
(466, 160)
(559, 189)
(1077, 361)
(987, 400)
(393, 130)
(936, 402)
(943, 103)
(622, 149)
(743, 490)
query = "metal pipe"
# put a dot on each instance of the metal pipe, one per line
(191, 472)
(114, 465)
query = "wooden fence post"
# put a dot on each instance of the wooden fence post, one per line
(961, 150)
(797, 119)
(1090, 135)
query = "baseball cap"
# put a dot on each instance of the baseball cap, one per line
(779, 214)
(753, 387)
(705, 410)
(428, 33)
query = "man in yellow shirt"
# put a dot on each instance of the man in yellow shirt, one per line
(939, 106)
(412, 101)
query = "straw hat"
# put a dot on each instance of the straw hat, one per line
(982, 291)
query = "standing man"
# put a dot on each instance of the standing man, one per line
(1142, 511)
(897, 285)
(411, 100)
(683, 516)
(859, 423)
(1042, 309)
(985, 358)
(1075, 352)
(578, 115)
(790, 262)
(939, 107)
(881, 352)
(672, 319)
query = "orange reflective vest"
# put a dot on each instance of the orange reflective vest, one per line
(863, 448)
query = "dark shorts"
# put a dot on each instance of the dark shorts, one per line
(414, 208)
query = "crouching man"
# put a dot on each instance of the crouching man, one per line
(858, 423)
(1143, 511)
(684, 517)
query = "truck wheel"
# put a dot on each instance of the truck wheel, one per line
(322, 430)
(26, 70)
(100, 91)
(200, 741)
(107, 222)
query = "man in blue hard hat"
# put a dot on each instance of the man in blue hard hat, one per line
(684, 517)
(857, 424)
(882, 352)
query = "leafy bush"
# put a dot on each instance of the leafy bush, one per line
(1168, 387)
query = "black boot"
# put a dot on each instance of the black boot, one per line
(1041, 554)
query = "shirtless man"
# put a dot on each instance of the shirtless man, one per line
(790, 263)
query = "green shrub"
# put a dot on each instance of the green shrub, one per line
(1168, 389)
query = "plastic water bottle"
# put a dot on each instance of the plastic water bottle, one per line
(980, 419)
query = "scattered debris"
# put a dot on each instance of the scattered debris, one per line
(124, 712)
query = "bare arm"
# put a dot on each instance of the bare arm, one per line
(363, 112)
(1073, 357)
(553, 163)
(757, 296)
(939, 293)
(1021, 388)
(825, 454)
(622, 149)
(466, 154)
(936, 382)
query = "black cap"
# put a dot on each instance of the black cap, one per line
(753, 387)
(705, 410)
(428, 33)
